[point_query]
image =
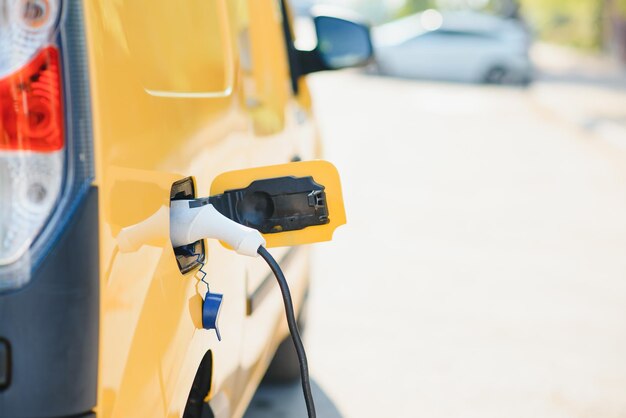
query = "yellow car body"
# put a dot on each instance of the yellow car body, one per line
(176, 92)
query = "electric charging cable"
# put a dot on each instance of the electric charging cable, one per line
(293, 329)
(192, 220)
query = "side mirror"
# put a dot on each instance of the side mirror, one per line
(341, 43)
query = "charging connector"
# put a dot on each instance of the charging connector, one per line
(190, 222)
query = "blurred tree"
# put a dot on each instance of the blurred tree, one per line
(414, 6)
(594, 24)
(615, 24)
(507, 8)
(576, 23)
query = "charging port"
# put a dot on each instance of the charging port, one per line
(192, 255)
(275, 205)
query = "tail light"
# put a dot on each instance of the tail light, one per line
(45, 158)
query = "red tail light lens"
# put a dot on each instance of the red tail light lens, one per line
(46, 160)
(31, 106)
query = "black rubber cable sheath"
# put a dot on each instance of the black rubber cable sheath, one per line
(293, 329)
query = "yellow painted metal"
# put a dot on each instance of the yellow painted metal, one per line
(323, 173)
(171, 98)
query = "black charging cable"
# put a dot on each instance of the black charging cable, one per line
(293, 329)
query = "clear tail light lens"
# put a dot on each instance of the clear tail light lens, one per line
(32, 133)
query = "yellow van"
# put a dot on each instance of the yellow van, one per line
(109, 110)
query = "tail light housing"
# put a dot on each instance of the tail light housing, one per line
(45, 135)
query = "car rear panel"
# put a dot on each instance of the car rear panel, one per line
(49, 326)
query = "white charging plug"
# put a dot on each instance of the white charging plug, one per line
(190, 224)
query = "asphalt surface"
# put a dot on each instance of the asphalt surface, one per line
(482, 270)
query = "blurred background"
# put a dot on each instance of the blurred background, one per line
(482, 272)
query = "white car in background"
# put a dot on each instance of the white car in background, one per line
(456, 46)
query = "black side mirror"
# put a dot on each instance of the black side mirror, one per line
(341, 43)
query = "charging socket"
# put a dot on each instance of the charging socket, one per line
(275, 205)
(192, 255)
(290, 204)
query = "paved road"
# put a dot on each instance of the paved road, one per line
(483, 269)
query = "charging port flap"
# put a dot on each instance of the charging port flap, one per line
(290, 204)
